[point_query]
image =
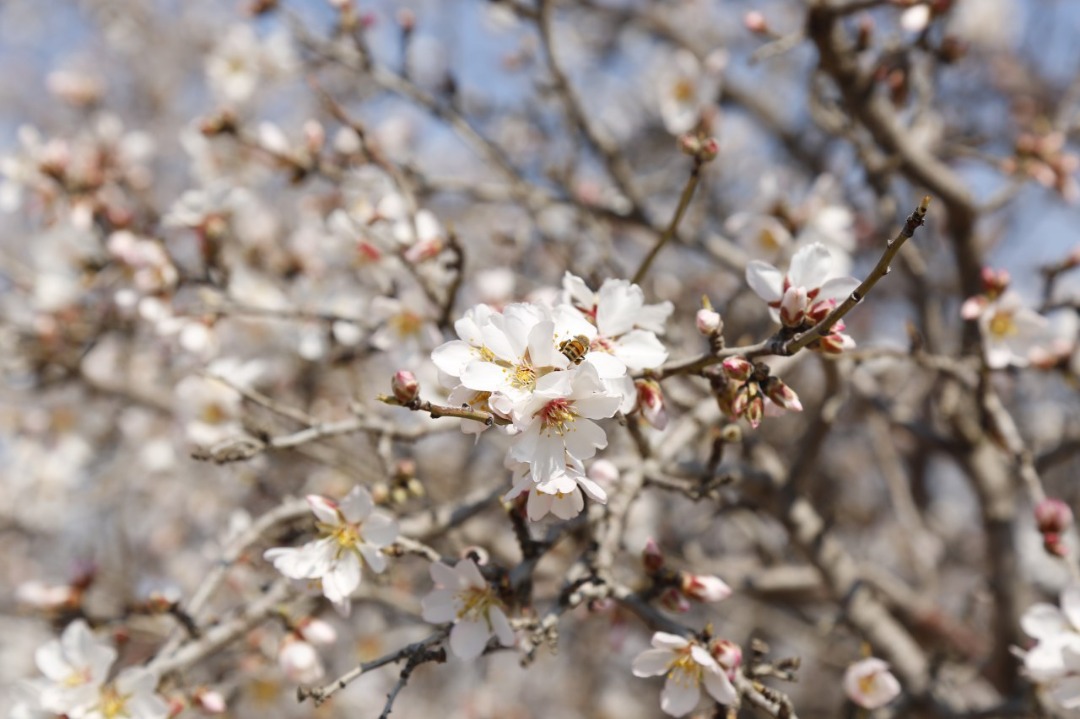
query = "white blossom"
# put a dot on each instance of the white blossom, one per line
(464, 597)
(870, 684)
(351, 534)
(687, 665)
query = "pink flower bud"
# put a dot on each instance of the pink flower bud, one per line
(755, 22)
(727, 654)
(652, 557)
(1054, 545)
(870, 684)
(782, 395)
(405, 386)
(651, 402)
(709, 322)
(1053, 515)
(424, 250)
(209, 701)
(994, 282)
(314, 136)
(738, 368)
(709, 150)
(674, 601)
(704, 587)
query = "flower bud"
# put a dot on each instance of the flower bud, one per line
(782, 395)
(299, 661)
(651, 402)
(727, 654)
(755, 22)
(709, 149)
(689, 144)
(405, 387)
(755, 410)
(1053, 544)
(674, 601)
(209, 701)
(652, 557)
(1053, 516)
(604, 472)
(738, 368)
(709, 322)
(704, 587)
(793, 306)
(316, 631)
(994, 282)
(314, 136)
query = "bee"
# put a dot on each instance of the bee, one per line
(575, 348)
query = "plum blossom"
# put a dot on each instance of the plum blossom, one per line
(558, 419)
(806, 292)
(1010, 330)
(687, 87)
(76, 666)
(563, 495)
(687, 665)
(870, 684)
(351, 534)
(464, 597)
(1054, 661)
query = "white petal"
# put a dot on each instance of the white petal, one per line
(453, 357)
(678, 698)
(640, 350)
(1043, 621)
(765, 280)
(617, 308)
(665, 640)
(323, 509)
(438, 607)
(720, 687)
(584, 439)
(470, 574)
(838, 288)
(380, 530)
(343, 579)
(468, 639)
(810, 266)
(485, 377)
(568, 506)
(501, 626)
(652, 662)
(444, 575)
(375, 559)
(356, 505)
(538, 505)
(1070, 605)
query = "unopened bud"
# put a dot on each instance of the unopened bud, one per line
(1054, 545)
(689, 144)
(1053, 516)
(704, 587)
(709, 322)
(709, 150)
(652, 557)
(727, 654)
(651, 402)
(316, 631)
(299, 661)
(782, 395)
(209, 701)
(405, 387)
(755, 410)
(755, 22)
(994, 282)
(738, 368)
(314, 136)
(674, 601)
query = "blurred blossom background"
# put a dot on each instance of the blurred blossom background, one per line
(222, 224)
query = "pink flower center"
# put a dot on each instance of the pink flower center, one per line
(557, 416)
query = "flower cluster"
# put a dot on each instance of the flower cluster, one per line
(76, 667)
(548, 373)
(741, 388)
(351, 535)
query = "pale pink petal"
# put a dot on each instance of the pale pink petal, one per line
(500, 625)
(324, 509)
(380, 530)
(444, 575)
(470, 574)
(375, 559)
(356, 505)
(439, 607)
